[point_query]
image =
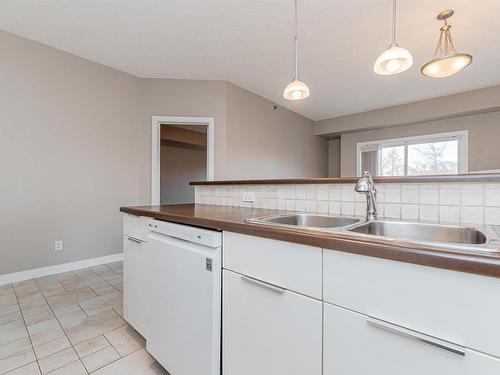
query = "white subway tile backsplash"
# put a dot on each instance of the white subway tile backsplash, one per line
(466, 203)
(392, 211)
(492, 195)
(334, 208)
(334, 193)
(429, 213)
(323, 207)
(449, 214)
(347, 208)
(449, 196)
(409, 212)
(472, 215)
(492, 216)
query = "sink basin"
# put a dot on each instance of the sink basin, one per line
(305, 221)
(422, 232)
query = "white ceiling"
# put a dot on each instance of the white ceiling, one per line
(250, 44)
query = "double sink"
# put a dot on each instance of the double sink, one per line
(434, 235)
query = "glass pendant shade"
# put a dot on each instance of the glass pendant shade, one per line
(393, 60)
(296, 90)
(446, 61)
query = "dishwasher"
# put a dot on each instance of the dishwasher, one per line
(184, 298)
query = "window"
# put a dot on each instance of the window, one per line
(415, 156)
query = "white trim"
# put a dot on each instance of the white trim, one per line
(156, 121)
(461, 135)
(58, 268)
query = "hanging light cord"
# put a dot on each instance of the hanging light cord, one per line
(296, 42)
(394, 22)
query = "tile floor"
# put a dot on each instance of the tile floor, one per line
(70, 323)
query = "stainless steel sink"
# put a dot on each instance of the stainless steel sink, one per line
(422, 232)
(305, 221)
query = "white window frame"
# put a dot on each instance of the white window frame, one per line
(463, 146)
(156, 122)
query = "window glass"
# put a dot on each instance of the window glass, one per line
(392, 161)
(433, 158)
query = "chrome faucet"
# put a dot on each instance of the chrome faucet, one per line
(366, 186)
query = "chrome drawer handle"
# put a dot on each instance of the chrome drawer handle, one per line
(412, 335)
(134, 240)
(262, 284)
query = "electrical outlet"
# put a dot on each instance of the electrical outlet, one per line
(58, 246)
(248, 196)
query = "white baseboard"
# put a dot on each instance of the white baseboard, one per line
(58, 268)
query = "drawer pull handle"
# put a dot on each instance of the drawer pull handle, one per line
(272, 287)
(412, 335)
(134, 240)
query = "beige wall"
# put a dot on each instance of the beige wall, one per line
(484, 135)
(471, 102)
(263, 142)
(334, 157)
(71, 146)
(75, 146)
(179, 166)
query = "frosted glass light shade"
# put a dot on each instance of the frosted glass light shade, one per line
(446, 66)
(296, 90)
(393, 60)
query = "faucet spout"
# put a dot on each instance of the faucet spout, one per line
(365, 185)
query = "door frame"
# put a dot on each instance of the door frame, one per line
(156, 122)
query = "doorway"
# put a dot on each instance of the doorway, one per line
(182, 151)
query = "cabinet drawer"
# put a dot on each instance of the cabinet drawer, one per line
(288, 265)
(387, 349)
(455, 306)
(269, 331)
(135, 226)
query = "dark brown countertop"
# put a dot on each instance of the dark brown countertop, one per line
(233, 219)
(487, 177)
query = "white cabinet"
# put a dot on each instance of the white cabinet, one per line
(134, 272)
(269, 330)
(355, 344)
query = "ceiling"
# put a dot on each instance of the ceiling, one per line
(249, 43)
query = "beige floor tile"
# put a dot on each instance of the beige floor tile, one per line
(33, 302)
(94, 325)
(6, 289)
(27, 290)
(51, 347)
(47, 335)
(61, 301)
(88, 347)
(9, 309)
(8, 300)
(43, 326)
(10, 317)
(29, 369)
(125, 340)
(100, 359)
(139, 362)
(16, 360)
(94, 281)
(51, 289)
(58, 277)
(119, 310)
(15, 347)
(103, 271)
(106, 289)
(72, 318)
(40, 317)
(66, 309)
(94, 305)
(12, 331)
(23, 283)
(75, 368)
(57, 360)
(84, 272)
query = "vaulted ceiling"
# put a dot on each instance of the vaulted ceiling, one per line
(249, 43)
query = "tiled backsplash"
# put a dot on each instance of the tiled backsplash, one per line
(452, 203)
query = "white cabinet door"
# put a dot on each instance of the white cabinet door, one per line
(134, 283)
(355, 344)
(269, 330)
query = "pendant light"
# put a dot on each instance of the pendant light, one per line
(446, 61)
(395, 59)
(296, 90)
